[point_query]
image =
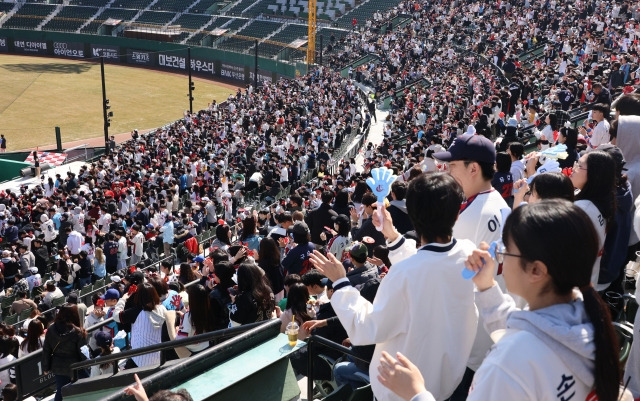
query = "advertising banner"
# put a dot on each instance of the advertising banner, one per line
(4, 45)
(140, 57)
(30, 46)
(202, 67)
(106, 51)
(263, 76)
(68, 49)
(172, 61)
(232, 71)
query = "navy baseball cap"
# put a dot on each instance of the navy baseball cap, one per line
(469, 147)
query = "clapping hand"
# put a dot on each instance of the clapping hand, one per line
(400, 376)
(376, 261)
(328, 265)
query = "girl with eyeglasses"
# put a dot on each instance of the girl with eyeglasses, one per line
(594, 177)
(563, 346)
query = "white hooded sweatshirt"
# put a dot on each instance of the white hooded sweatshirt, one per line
(542, 355)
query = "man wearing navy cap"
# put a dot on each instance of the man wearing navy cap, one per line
(471, 160)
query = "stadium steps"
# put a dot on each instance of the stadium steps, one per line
(155, 17)
(29, 16)
(194, 22)
(197, 36)
(285, 36)
(251, 49)
(176, 6)
(179, 13)
(234, 26)
(206, 6)
(142, 5)
(247, 34)
(364, 11)
(49, 17)
(9, 9)
(236, 8)
(115, 13)
(90, 3)
(70, 18)
(100, 10)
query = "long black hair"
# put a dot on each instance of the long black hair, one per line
(252, 279)
(34, 331)
(200, 309)
(532, 228)
(297, 298)
(601, 184)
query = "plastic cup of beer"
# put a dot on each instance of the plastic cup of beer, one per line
(292, 333)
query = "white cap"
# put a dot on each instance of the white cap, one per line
(33, 270)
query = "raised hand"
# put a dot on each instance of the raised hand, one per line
(137, 390)
(328, 265)
(383, 222)
(380, 183)
(483, 266)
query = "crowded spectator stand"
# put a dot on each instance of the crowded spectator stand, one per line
(152, 208)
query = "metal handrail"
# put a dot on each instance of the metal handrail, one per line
(213, 335)
(152, 382)
(94, 290)
(31, 355)
(311, 356)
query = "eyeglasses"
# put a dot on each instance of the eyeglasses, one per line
(500, 252)
(577, 166)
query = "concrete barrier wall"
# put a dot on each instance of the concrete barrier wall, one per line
(205, 62)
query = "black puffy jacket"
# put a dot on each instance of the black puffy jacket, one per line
(61, 348)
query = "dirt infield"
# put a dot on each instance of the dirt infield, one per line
(39, 94)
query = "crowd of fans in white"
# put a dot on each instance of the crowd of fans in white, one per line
(245, 212)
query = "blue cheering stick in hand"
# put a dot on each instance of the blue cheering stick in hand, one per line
(469, 274)
(380, 183)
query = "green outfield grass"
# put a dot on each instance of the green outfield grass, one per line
(37, 94)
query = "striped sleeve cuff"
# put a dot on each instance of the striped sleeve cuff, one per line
(392, 246)
(341, 283)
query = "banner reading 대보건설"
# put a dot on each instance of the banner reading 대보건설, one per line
(173, 61)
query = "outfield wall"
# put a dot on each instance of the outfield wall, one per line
(205, 62)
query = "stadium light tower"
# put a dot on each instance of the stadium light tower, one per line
(105, 109)
(192, 87)
(311, 42)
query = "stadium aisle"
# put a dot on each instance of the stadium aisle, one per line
(376, 134)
